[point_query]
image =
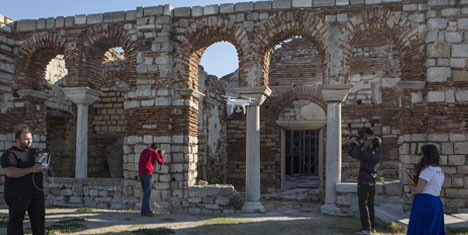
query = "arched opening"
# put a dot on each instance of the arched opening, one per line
(373, 102)
(217, 74)
(60, 119)
(107, 120)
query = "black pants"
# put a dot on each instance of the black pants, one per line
(17, 207)
(366, 194)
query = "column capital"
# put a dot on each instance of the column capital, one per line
(186, 93)
(335, 92)
(82, 95)
(257, 94)
(23, 93)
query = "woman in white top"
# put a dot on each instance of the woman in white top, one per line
(427, 213)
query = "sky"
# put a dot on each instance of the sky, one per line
(219, 59)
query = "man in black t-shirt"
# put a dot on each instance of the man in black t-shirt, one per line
(21, 193)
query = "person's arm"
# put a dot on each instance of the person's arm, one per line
(15, 172)
(160, 158)
(419, 187)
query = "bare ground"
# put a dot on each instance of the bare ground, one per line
(280, 218)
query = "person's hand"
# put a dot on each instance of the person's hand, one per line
(38, 168)
(163, 151)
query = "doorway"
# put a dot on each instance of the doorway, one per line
(301, 159)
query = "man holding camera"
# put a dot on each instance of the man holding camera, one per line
(369, 155)
(148, 158)
(23, 185)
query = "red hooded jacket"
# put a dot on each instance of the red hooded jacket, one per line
(147, 159)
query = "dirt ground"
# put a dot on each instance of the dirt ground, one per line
(280, 218)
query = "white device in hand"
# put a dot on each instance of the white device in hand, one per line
(44, 160)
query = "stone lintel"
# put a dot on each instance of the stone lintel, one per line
(82, 95)
(33, 94)
(186, 93)
(418, 85)
(257, 94)
(302, 125)
(335, 92)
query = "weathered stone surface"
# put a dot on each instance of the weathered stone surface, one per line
(436, 50)
(438, 74)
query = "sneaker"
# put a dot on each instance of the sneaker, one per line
(373, 230)
(363, 231)
(149, 214)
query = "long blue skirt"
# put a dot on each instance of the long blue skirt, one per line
(427, 215)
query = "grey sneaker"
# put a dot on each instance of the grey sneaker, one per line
(373, 230)
(363, 231)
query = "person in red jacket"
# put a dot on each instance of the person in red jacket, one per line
(148, 158)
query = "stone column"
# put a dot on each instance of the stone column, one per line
(334, 95)
(82, 97)
(252, 179)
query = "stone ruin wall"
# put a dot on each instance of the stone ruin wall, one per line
(433, 49)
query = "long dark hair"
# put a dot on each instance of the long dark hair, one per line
(430, 157)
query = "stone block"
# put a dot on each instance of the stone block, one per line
(148, 139)
(69, 21)
(210, 10)
(177, 168)
(437, 23)
(301, 3)
(457, 63)
(324, 3)
(438, 74)
(264, 5)
(80, 19)
(438, 137)
(460, 76)
(461, 148)
(95, 19)
(453, 37)
(447, 148)
(346, 187)
(182, 12)
(149, 11)
(281, 4)
(462, 23)
(461, 95)
(244, 6)
(450, 11)
(342, 2)
(457, 137)
(368, 2)
(356, 2)
(114, 16)
(162, 186)
(226, 8)
(197, 11)
(436, 50)
(460, 50)
(130, 15)
(41, 23)
(436, 96)
(456, 160)
(25, 25)
(416, 97)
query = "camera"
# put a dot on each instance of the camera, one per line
(358, 140)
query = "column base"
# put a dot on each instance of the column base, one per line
(252, 207)
(331, 209)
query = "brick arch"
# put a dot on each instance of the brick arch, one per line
(199, 36)
(95, 42)
(274, 105)
(283, 26)
(394, 26)
(34, 55)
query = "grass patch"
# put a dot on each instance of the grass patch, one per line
(3, 222)
(85, 209)
(457, 231)
(393, 228)
(65, 226)
(157, 231)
